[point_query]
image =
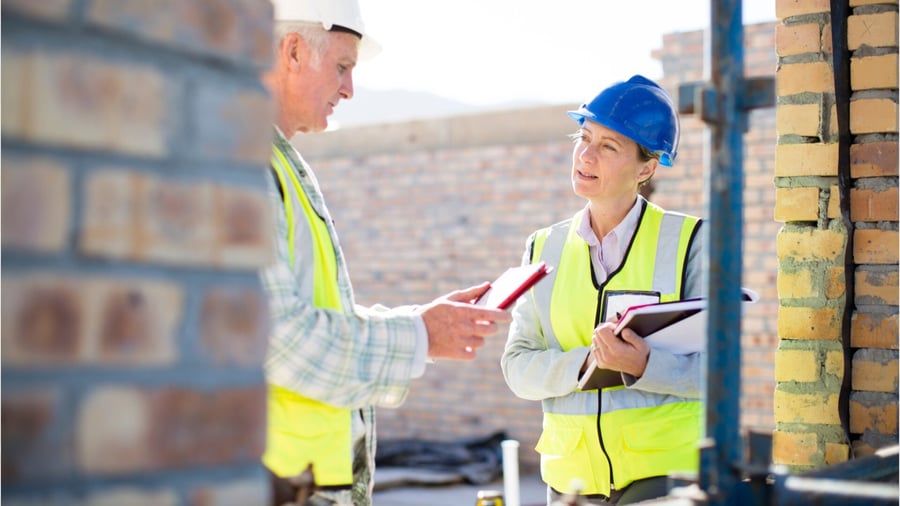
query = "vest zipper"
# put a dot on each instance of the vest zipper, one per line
(612, 485)
(597, 317)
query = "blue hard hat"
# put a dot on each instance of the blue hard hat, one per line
(640, 110)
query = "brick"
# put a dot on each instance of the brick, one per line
(116, 107)
(875, 371)
(232, 124)
(109, 214)
(48, 10)
(100, 437)
(234, 325)
(244, 223)
(133, 496)
(810, 245)
(835, 283)
(138, 322)
(797, 39)
(176, 222)
(795, 78)
(133, 216)
(874, 331)
(796, 204)
(818, 407)
(875, 287)
(233, 493)
(792, 448)
(36, 205)
(169, 427)
(872, 246)
(788, 8)
(874, 72)
(862, 449)
(797, 119)
(43, 321)
(835, 453)
(35, 447)
(809, 323)
(806, 160)
(874, 159)
(827, 46)
(873, 412)
(873, 115)
(833, 122)
(55, 320)
(834, 364)
(16, 68)
(242, 30)
(834, 202)
(796, 365)
(796, 284)
(874, 30)
(874, 204)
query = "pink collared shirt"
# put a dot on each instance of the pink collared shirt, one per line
(607, 253)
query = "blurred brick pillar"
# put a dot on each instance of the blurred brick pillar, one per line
(134, 138)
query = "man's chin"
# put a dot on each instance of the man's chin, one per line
(313, 129)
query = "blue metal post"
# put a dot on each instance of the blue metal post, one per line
(723, 103)
(725, 207)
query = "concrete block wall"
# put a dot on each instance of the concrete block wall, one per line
(425, 207)
(134, 220)
(813, 427)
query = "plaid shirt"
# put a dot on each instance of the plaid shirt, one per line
(357, 358)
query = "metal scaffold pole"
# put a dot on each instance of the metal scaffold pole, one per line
(723, 103)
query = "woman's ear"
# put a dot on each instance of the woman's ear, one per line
(648, 169)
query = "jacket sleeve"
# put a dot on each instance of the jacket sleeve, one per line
(531, 370)
(352, 358)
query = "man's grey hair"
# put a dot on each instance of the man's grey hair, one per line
(314, 34)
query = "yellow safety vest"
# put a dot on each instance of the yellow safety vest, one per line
(303, 430)
(641, 434)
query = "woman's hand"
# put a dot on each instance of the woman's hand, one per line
(628, 353)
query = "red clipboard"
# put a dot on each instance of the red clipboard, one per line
(512, 284)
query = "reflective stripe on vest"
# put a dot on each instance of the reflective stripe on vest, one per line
(302, 430)
(644, 434)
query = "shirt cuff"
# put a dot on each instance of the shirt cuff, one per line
(418, 366)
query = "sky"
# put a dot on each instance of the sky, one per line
(485, 52)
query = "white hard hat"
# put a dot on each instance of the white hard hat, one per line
(330, 13)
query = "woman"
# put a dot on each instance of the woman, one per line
(619, 441)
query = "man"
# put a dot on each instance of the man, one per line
(331, 362)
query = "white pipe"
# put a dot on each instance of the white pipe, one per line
(510, 472)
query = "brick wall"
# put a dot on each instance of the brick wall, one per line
(425, 207)
(133, 222)
(819, 348)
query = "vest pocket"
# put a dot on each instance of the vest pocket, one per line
(565, 457)
(662, 434)
(302, 430)
(656, 442)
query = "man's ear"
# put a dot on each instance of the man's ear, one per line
(292, 50)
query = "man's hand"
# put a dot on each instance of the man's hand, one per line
(456, 328)
(628, 353)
